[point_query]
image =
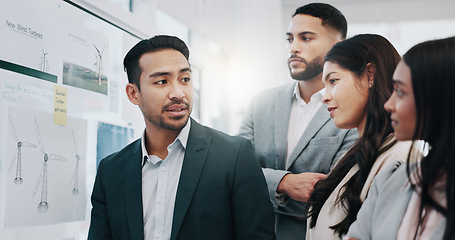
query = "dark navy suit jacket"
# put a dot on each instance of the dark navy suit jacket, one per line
(222, 193)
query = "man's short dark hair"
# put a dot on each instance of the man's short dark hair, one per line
(329, 15)
(154, 44)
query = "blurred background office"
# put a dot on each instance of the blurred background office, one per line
(243, 41)
(240, 45)
(64, 58)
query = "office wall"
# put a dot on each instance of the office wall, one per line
(63, 104)
(63, 108)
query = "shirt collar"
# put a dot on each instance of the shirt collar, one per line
(182, 138)
(299, 98)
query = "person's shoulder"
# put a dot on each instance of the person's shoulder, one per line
(398, 152)
(126, 151)
(269, 94)
(402, 146)
(222, 135)
(288, 87)
(219, 136)
(391, 174)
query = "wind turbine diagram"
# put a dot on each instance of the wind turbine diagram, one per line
(43, 65)
(75, 178)
(99, 63)
(17, 158)
(43, 206)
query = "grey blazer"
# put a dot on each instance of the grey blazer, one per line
(266, 125)
(387, 192)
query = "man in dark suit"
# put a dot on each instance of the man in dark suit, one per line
(181, 180)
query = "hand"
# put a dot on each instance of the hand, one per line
(299, 186)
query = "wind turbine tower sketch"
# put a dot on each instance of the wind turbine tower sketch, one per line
(99, 63)
(18, 154)
(43, 206)
(75, 178)
(43, 65)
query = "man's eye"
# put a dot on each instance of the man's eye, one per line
(161, 82)
(187, 79)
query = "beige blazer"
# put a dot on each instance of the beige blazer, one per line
(332, 213)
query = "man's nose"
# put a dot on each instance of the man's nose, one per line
(294, 47)
(176, 92)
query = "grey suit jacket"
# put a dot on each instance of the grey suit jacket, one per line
(381, 214)
(266, 125)
(221, 192)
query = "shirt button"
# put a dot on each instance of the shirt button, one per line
(157, 235)
(164, 169)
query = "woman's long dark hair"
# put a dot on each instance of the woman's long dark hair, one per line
(432, 66)
(354, 54)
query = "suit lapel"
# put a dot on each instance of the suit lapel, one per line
(317, 122)
(282, 113)
(193, 163)
(133, 191)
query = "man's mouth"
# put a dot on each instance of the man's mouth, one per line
(176, 110)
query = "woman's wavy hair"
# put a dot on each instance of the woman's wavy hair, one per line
(432, 66)
(354, 54)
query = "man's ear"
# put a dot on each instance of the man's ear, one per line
(132, 92)
(335, 36)
(370, 73)
(336, 39)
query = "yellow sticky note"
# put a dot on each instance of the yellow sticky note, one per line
(60, 105)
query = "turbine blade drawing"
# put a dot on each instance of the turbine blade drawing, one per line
(27, 144)
(56, 157)
(40, 141)
(13, 130)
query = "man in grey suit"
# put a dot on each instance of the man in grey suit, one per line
(294, 137)
(181, 180)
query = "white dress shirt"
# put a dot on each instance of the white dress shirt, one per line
(301, 115)
(160, 178)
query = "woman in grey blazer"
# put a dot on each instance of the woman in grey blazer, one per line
(418, 200)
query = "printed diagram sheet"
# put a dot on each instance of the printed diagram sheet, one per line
(29, 37)
(86, 58)
(45, 169)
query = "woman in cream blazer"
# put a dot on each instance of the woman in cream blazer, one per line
(358, 79)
